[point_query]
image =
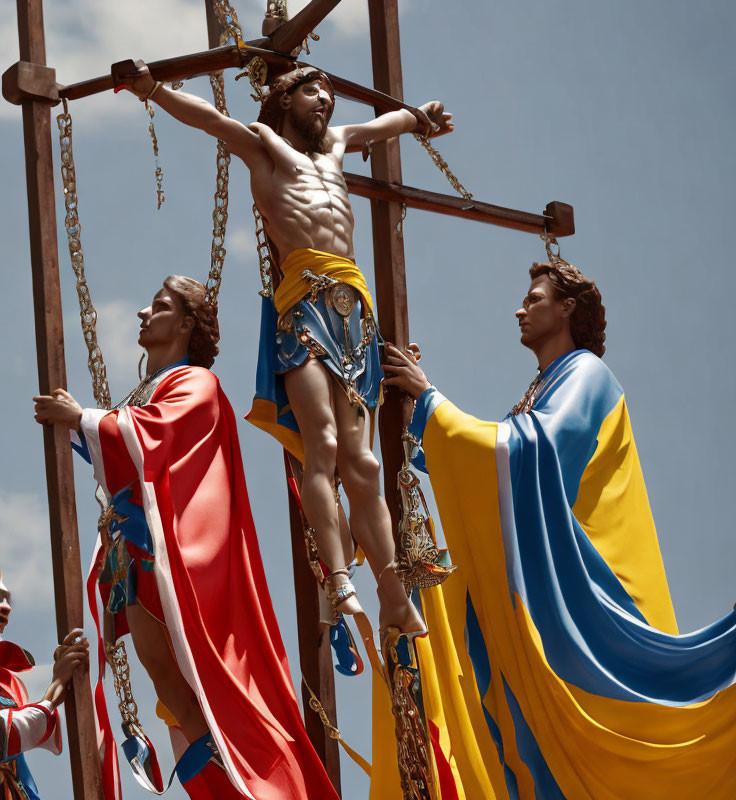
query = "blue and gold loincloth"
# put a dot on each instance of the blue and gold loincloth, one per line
(322, 309)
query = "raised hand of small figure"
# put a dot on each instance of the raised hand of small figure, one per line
(403, 370)
(69, 656)
(58, 408)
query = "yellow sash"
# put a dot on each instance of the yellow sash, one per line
(294, 286)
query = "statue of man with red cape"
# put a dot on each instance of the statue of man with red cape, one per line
(178, 566)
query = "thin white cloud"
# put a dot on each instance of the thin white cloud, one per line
(117, 334)
(117, 326)
(240, 241)
(24, 533)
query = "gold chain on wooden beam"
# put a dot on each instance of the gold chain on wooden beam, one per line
(87, 312)
(443, 167)
(276, 9)
(265, 261)
(228, 19)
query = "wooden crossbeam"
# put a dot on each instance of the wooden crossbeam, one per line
(227, 57)
(557, 218)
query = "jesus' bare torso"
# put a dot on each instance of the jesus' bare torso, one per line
(303, 199)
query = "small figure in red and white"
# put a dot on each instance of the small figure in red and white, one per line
(25, 725)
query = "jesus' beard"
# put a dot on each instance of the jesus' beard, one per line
(312, 130)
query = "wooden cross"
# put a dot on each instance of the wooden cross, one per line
(31, 84)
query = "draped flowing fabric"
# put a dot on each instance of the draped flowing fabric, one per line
(556, 671)
(182, 450)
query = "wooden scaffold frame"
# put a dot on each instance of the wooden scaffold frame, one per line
(31, 84)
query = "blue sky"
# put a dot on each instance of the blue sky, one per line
(624, 109)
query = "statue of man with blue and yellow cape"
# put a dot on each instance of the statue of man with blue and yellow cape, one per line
(555, 668)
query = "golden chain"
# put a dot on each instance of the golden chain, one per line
(550, 242)
(264, 255)
(229, 25)
(219, 214)
(159, 172)
(87, 312)
(117, 657)
(276, 9)
(318, 708)
(229, 29)
(443, 166)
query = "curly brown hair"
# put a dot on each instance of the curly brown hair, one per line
(588, 320)
(272, 113)
(206, 331)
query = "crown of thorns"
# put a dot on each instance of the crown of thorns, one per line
(271, 110)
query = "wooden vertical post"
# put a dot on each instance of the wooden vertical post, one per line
(315, 657)
(388, 241)
(67, 568)
(214, 29)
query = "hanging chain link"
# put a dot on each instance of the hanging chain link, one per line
(219, 213)
(229, 25)
(87, 313)
(277, 9)
(229, 30)
(265, 261)
(402, 217)
(550, 243)
(443, 167)
(117, 657)
(160, 197)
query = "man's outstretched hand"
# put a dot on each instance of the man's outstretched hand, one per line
(58, 408)
(433, 120)
(403, 371)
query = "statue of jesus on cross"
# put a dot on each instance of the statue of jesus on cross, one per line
(319, 373)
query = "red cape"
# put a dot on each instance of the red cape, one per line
(14, 658)
(183, 449)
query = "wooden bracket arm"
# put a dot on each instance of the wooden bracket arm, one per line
(27, 81)
(560, 218)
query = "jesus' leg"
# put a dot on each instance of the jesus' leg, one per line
(370, 520)
(311, 390)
